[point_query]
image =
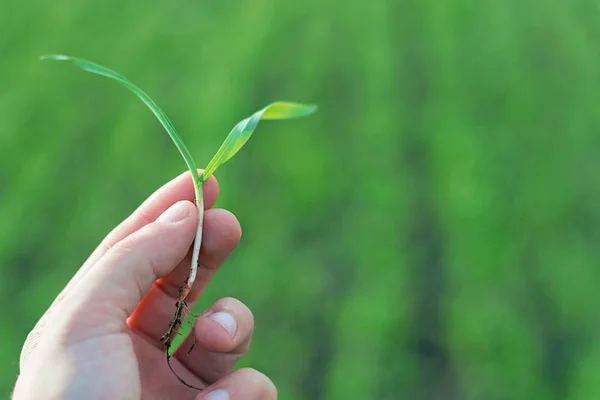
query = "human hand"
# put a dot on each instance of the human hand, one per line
(100, 337)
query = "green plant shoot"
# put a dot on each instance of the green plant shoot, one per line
(238, 136)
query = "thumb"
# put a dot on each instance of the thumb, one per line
(109, 293)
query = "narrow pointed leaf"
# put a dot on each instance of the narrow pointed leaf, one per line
(240, 134)
(284, 110)
(156, 110)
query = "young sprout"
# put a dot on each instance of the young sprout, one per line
(238, 136)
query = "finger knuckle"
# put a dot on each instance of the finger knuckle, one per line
(30, 344)
(144, 242)
(125, 246)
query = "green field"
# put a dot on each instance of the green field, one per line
(433, 232)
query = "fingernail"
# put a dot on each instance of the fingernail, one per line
(219, 394)
(226, 321)
(177, 212)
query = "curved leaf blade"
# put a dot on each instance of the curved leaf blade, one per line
(240, 133)
(285, 110)
(156, 110)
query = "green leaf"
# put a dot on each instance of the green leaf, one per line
(240, 134)
(234, 141)
(160, 115)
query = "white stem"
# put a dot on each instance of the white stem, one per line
(198, 240)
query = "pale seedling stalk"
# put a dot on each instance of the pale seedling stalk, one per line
(232, 144)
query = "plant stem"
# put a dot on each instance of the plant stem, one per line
(198, 239)
(187, 285)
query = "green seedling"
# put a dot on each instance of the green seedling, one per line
(238, 136)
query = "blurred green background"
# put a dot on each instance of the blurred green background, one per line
(433, 232)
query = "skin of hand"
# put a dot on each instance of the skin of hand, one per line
(100, 337)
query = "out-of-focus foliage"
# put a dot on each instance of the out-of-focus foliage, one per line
(431, 233)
